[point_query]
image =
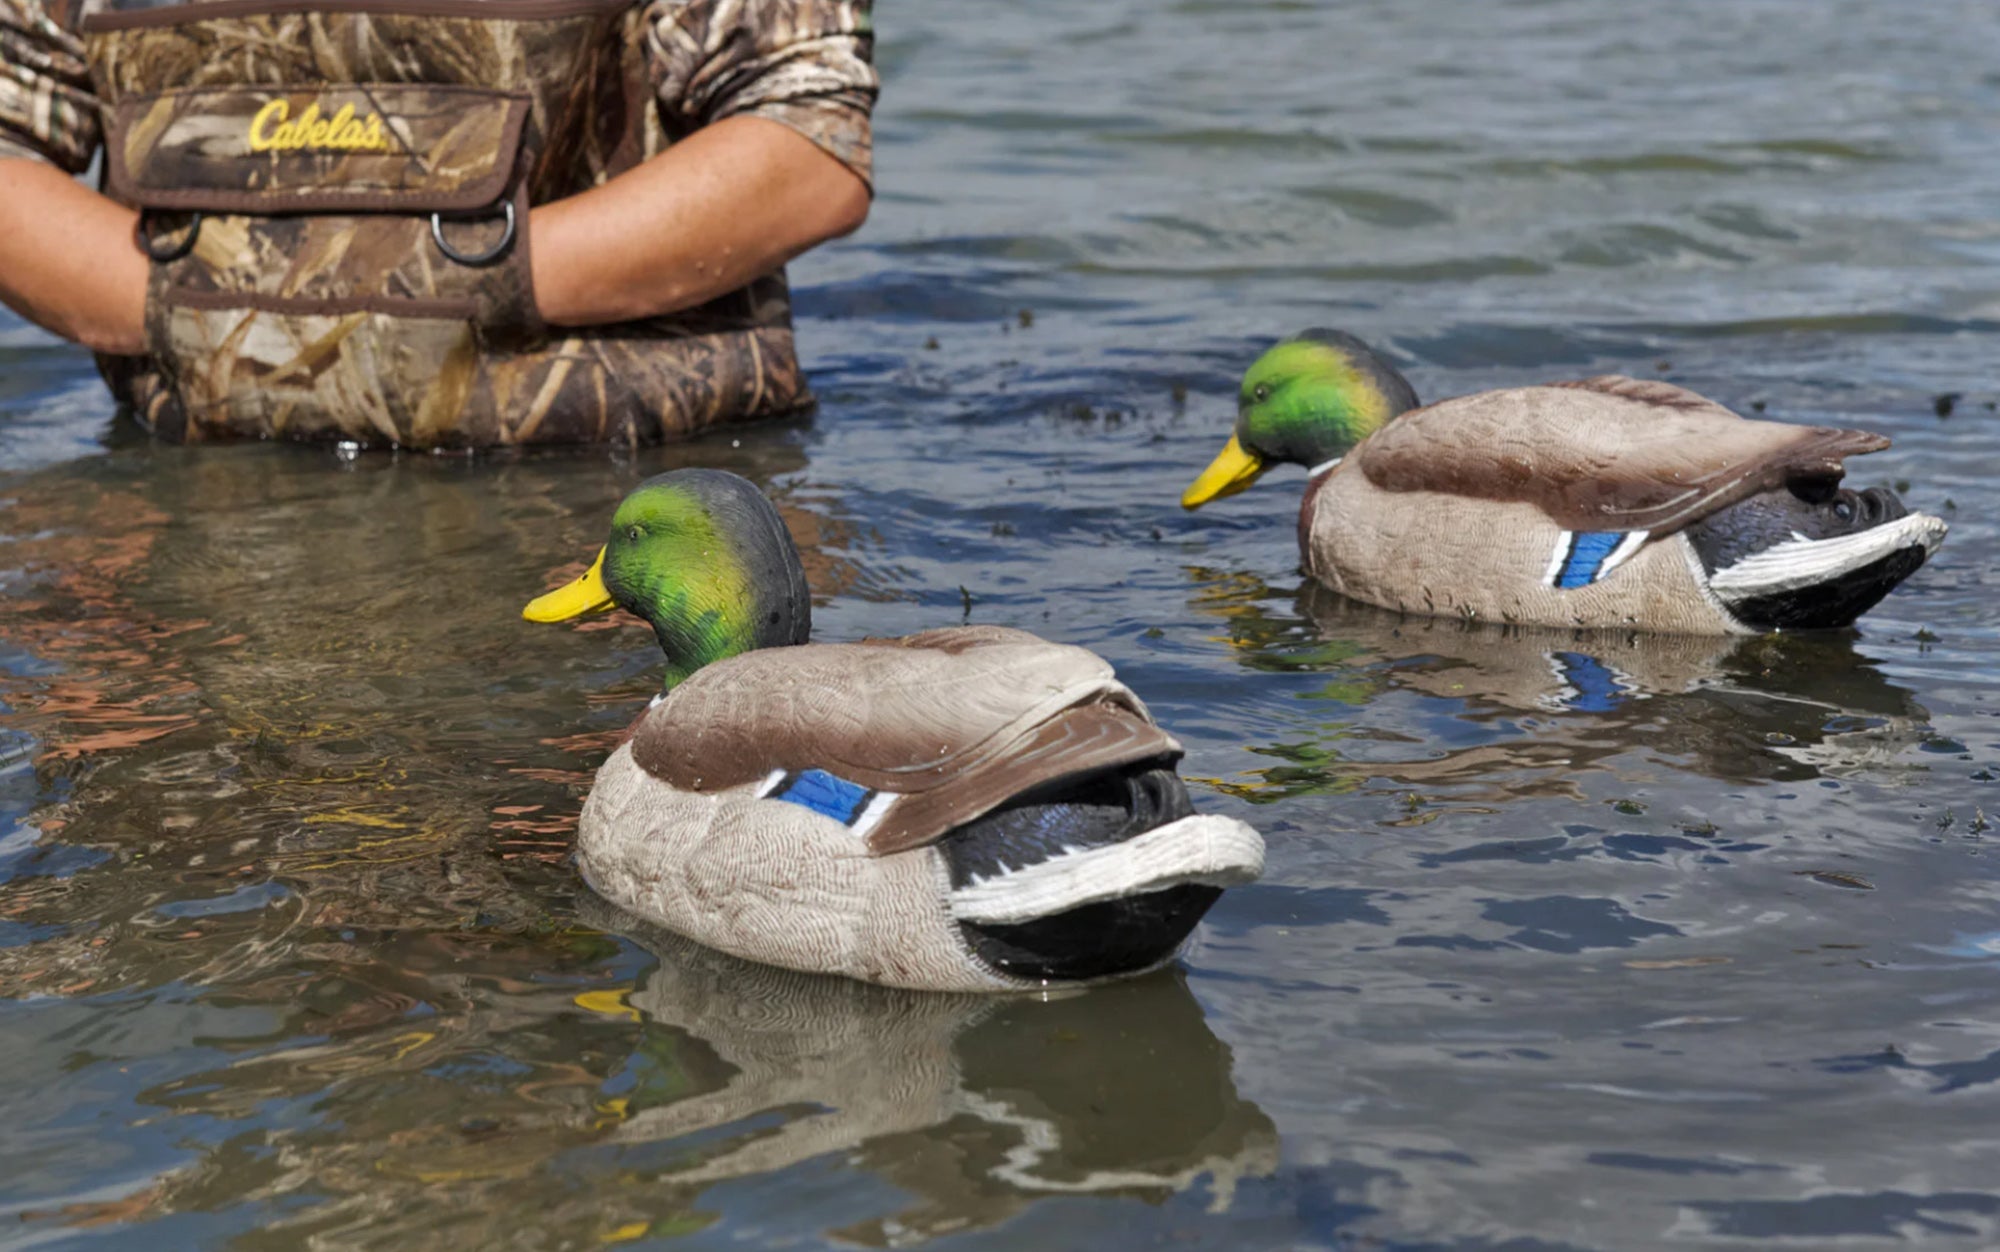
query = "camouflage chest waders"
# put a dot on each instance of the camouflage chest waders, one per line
(335, 194)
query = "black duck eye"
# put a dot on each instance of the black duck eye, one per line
(1261, 392)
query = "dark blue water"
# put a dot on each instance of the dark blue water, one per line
(1566, 942)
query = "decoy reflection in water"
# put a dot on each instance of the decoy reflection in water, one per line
(1771, 707)
(969, 809)
(1609, 502)
(971, 1106)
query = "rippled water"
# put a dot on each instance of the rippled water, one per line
(1567, 942)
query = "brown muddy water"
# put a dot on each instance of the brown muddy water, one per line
(1567, 942)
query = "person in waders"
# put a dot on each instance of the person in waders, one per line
(431, 223)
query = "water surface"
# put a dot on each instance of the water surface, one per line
(1566, 942)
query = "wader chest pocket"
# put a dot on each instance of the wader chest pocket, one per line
(324, 199)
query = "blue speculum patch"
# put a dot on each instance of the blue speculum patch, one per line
(1588, 550)
(825, 794)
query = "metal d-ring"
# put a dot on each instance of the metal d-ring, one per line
(475, 259)
(178, 250)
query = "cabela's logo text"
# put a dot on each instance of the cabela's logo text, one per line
(274, 130)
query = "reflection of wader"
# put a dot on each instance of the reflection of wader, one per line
(336, 193)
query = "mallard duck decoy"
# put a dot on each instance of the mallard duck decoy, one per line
(967, 809)
(1610, 501)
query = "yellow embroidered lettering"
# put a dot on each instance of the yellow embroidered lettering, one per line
(273, 129)
(272, 112)
(303, 128)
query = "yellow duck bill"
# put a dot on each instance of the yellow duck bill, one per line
(1232, 470)
(586, 595)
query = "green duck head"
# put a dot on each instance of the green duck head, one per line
(705, 558)
(1307, 399)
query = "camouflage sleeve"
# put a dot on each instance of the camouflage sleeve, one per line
(806, 63)
(46, 109)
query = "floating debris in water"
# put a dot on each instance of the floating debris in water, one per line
(1944, 402)
(1837, 878)
(1680, 962)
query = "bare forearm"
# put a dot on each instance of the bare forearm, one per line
(68, 260)
(730, 202)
